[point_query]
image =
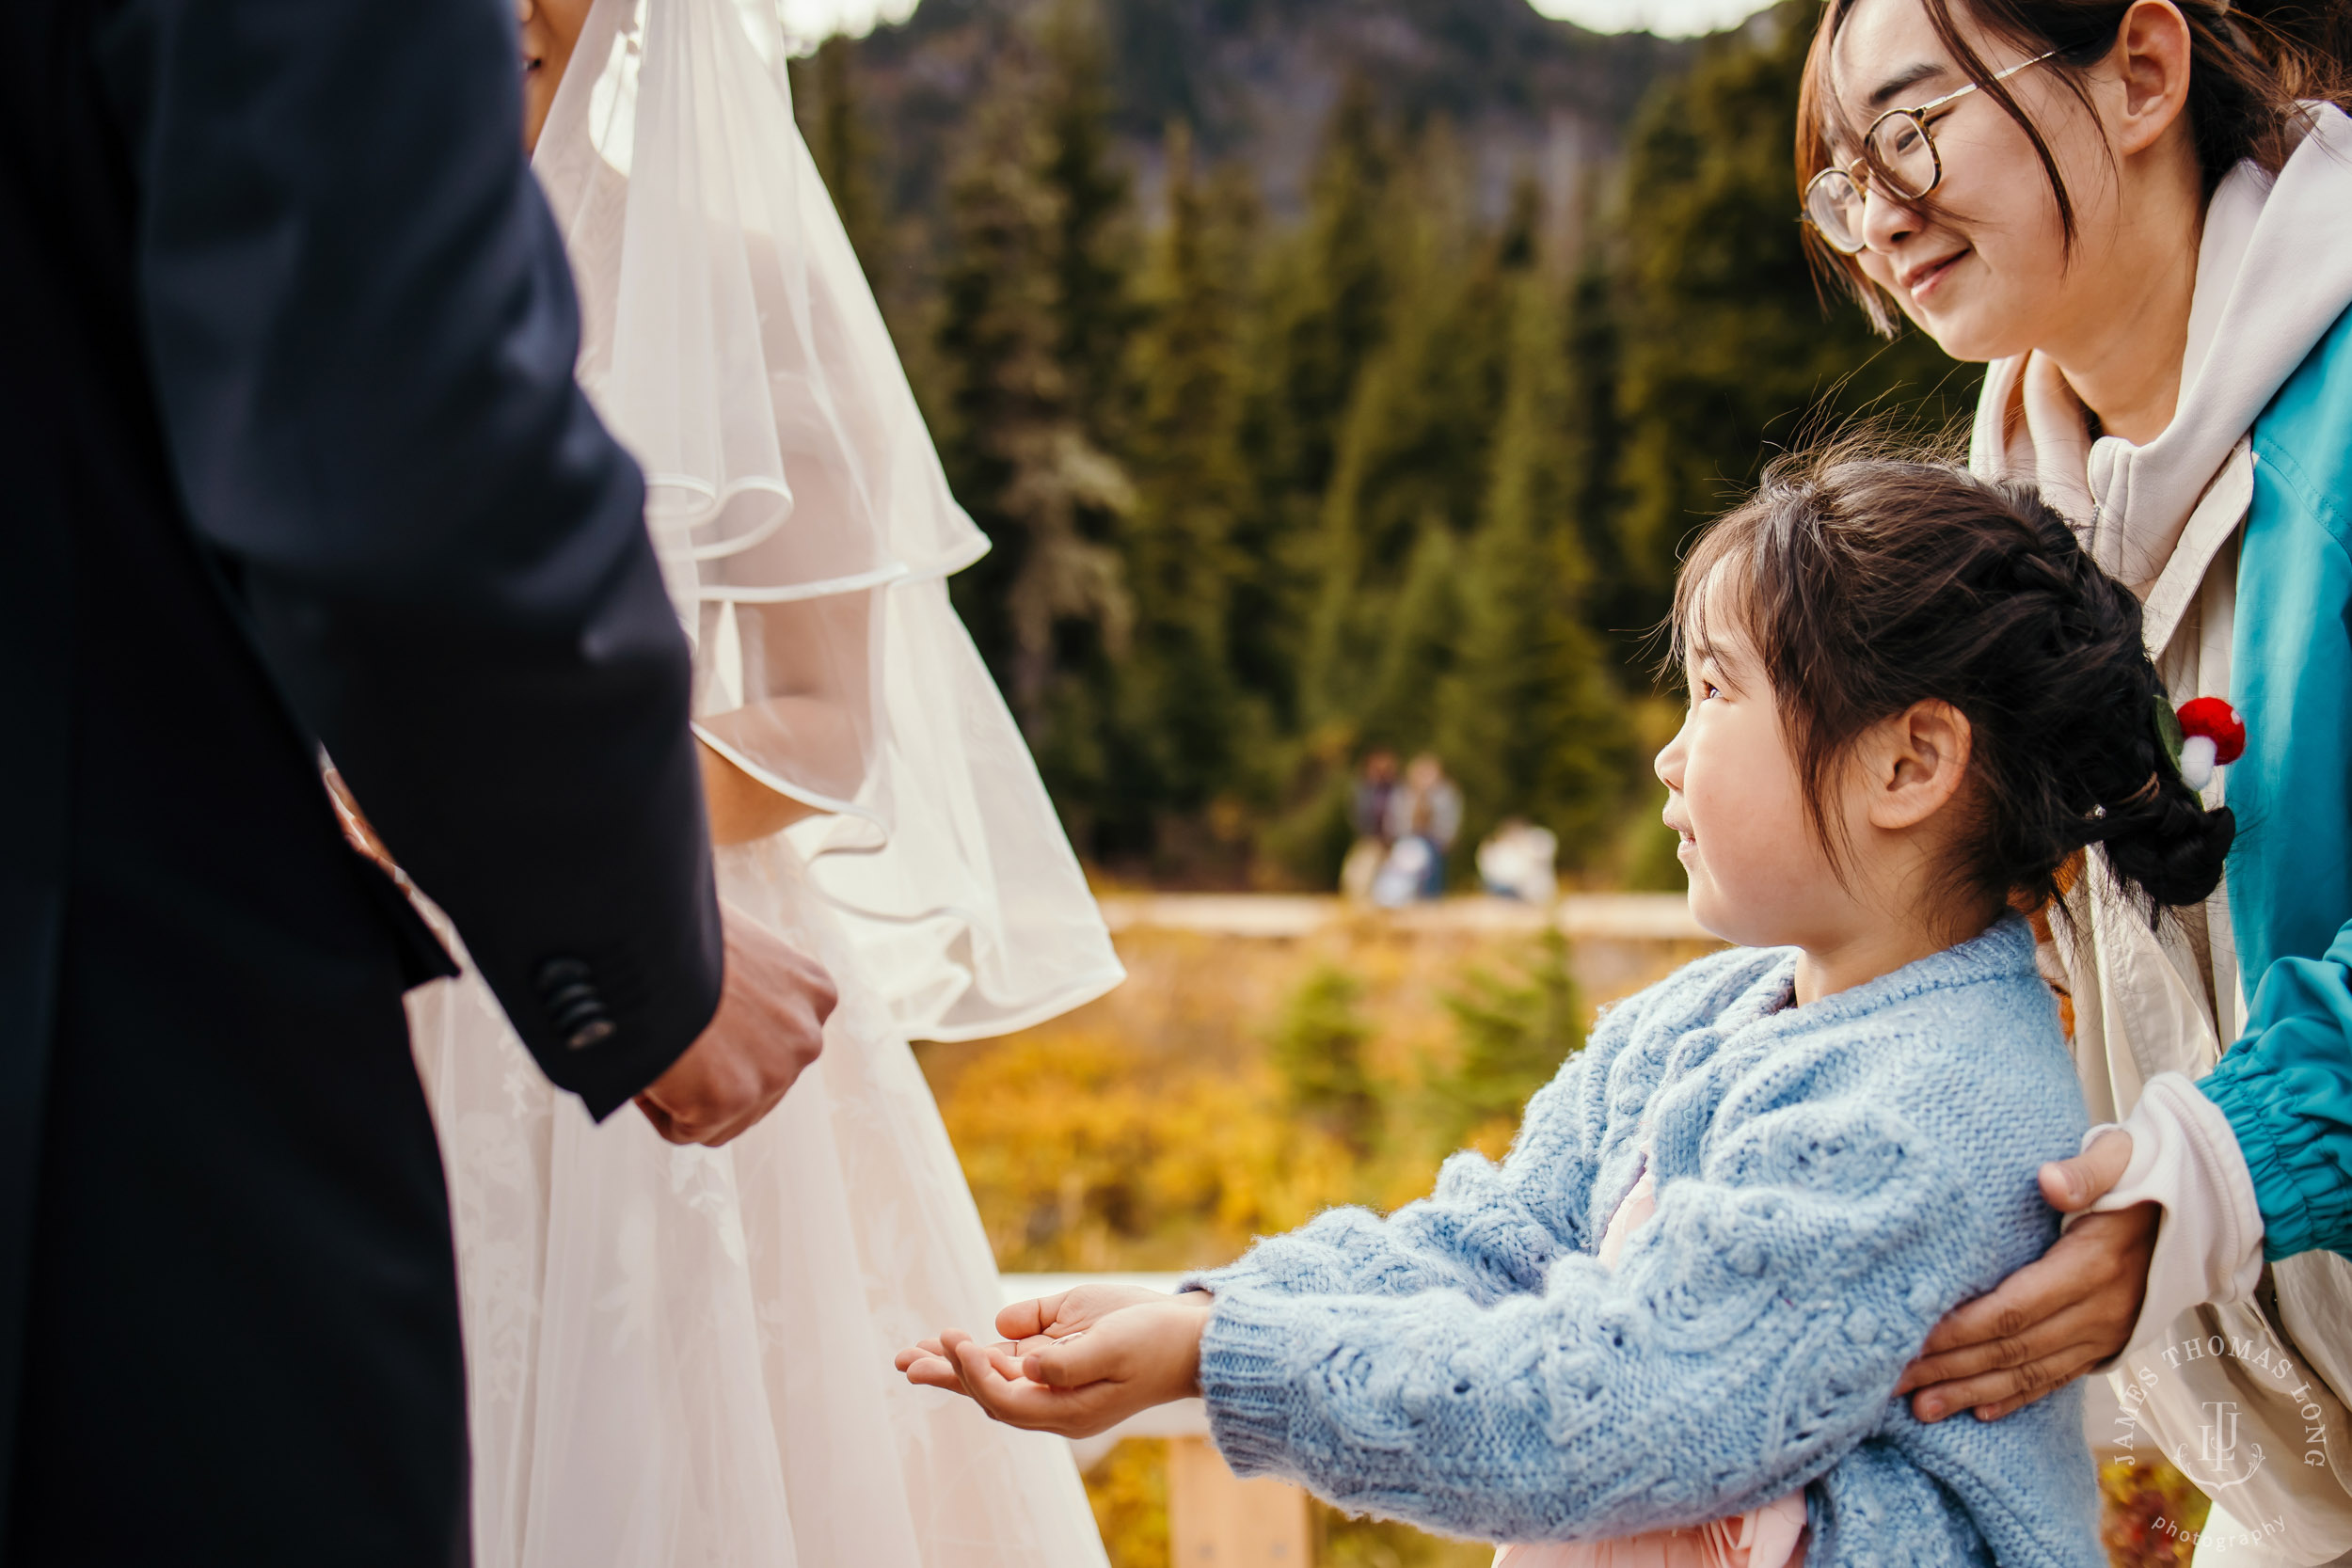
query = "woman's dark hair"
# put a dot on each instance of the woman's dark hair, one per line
(2249, 66)
(1864, 584)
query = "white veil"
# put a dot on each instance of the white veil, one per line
(805, 529)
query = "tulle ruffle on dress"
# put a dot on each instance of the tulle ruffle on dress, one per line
(729, 339)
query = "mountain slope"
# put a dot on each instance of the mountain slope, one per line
(1256, 79)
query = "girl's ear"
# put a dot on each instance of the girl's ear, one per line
(1919, 760)
(2151, 59)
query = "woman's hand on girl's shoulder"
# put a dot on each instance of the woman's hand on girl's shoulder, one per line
(2055, 1319)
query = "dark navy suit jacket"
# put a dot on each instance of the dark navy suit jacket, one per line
(291, 454)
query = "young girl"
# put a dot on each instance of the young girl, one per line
(1669, 1324)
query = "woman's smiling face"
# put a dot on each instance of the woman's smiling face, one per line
(1988, 274)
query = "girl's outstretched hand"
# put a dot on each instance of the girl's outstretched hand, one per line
(1077, 1380)
(1031, 1326)
(1027, 1326)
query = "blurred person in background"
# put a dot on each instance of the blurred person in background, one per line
(1368, 814)
(1517, 862)
(2137, 213)
(1425, 811)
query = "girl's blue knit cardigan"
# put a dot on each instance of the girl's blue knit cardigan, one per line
(1831, 1179)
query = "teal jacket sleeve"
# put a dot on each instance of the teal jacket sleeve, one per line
(2286, 1086)
(2287, 1090)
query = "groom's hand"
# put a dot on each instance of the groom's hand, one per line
(769, 1025)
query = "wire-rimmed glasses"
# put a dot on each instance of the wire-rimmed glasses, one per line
(1899, 150)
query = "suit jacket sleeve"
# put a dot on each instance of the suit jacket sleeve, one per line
(362, 335)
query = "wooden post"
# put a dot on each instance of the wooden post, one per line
(1217, 1520)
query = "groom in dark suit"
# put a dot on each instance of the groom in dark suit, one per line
(293, 456)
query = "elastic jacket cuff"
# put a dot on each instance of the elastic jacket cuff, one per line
(2277, 1112)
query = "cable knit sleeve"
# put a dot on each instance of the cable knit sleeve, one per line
(2286, 1088)
(1751, 1334)
(1489, 1231)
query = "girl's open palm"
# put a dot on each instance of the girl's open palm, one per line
(1027, 1326)
(1088, 1365)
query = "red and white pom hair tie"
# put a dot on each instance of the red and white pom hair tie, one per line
(2212, 735)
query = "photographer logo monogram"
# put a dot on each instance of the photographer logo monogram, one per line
(2223, 1455)
(2219, 1450)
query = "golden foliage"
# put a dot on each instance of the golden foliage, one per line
(1129, 1491)
(1193, 1108)
(2152, 1515)
(1081, 1161)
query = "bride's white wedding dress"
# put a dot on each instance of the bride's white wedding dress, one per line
(682, 1356)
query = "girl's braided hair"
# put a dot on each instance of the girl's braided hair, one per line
(1866, 584)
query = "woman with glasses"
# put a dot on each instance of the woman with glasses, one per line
(2137, 213)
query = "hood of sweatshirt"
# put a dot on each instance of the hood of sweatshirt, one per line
(2274, 271)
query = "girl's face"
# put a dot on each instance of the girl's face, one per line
(549, 30)
(1758, 874)
(1988, 275)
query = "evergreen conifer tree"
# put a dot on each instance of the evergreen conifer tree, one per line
(1093, 255)
(1323, 313)
(1516, 1030)
(1318, 1050)
(1592, 440)
(1414, 445)
(1728, 350)
(1187, 731)
(1399, 685)
(1530, 721)
(1049, 598)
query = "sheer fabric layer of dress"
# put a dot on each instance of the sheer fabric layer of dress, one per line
(681, 1357)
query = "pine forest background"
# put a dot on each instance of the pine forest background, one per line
(1340, 374)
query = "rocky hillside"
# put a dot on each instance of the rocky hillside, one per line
(1256, 80)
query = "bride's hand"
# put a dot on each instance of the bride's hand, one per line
(1029, 1327)
(1081, 1383)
